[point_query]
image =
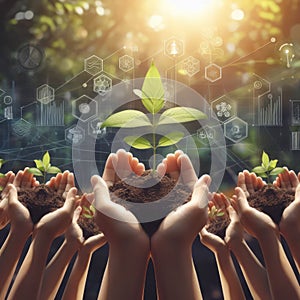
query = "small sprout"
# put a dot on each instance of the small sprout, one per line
(43, 167)
(268, 168)
(214, 212)
(88, 212)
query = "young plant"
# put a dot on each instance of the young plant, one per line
(268, 168)
(88, 211)
(214, 213)
(43, 167)
(152, 97)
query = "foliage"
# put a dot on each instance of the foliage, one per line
(214, 212)
(268, 168)
(44, 167)
(152, 97)
(88, 212)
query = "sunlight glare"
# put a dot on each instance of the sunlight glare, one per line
(185, 7)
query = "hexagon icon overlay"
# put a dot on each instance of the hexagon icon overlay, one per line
(191, 66)
(126, 63)
(236, 130)
(93, 65)
(74, 135)
(213, 72)
(173, 47)
(102, 84)
(84, 108)
(224, 109)
(45, 94)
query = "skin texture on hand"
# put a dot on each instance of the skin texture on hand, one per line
(171, 243)
(282, 281)
(129, 246)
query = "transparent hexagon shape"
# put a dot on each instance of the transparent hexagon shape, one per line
(173, 47)
(236, 130)
(74, 135)
(224, 109)
(45, 94)
(95, 130)
(102, 84)
(191, 66)
(126, 63)
(84, 108)
(213, 72)
(93, 65)
(206, 134)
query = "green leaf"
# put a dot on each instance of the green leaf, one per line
(170, 139)
(2, 175)
(1, 188)
(39, 164)
(220, 214)
(259, 170)
(2, 161)
(180, 115)
(276, 171)
(153, 91)
(129, 118)
(273, 164)
(265, 160)
(53, 170)
(88, 216)
(35, 171)
(46, 160)
(138, 142)
(263, 175)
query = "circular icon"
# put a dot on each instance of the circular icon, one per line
(7, 100)
(84, 108)
(30, 57)
(85, 155)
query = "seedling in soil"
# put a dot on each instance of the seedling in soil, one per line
(88, 211)
(214, 213)
(152, 97)
(44, 167)
(268, 168)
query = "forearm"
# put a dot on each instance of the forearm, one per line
(56, 268)
(283, 283)
(126, 266)
(9, 256)
(230, 282)
(292, 239)
(254, 272)
(76, 283)
(175, 273)
(28, 281)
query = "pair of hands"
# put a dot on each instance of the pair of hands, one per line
(119, 224)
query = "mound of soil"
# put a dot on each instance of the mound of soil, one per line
(145, 189)
(272, 200)
(42, 199)
(218, 225)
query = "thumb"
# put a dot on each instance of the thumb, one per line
(241, 202)
(100, 191)
(76, 214)
(201, 194)
(297, 193)
(71, 200)
(187, 172)
(12, 193)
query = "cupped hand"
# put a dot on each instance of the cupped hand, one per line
(249, 182)
(25, 179)
(183, 224)
(62, 183)
(256, 223)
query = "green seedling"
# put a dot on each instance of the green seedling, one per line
(2, 161)
(43, 167)
(214, 212)
(268, 168)
(88, 211)
(152, 97)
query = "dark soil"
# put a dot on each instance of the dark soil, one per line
(272, 200)
(218, 225)
(42, 199)
(142, 189)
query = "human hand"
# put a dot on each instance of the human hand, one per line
(5, 181)
(25, 179)
(182, 225)
(256, 223)
(55, 223)
(249, 182)
(62, 183)
(287, 180)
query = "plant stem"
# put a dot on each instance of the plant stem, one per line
(154, 144)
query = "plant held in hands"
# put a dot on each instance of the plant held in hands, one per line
(268, 168)
(44, 167)
(152, 97)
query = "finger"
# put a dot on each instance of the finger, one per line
(172, 166)
(241, 182)
(178, 153)
(109, 173)
(201, 194)
(293, 179)
(232, 213)
(241, 203)
(161, 169)
(18, 179)
(123, 168)
(187, 172)
(137, 167)
(12, 194)
(297, 193)
(249, 182)
(76, 214)
(100, 191)
(285, 179)
(71, 201)
(62, 182)
(27, 179)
